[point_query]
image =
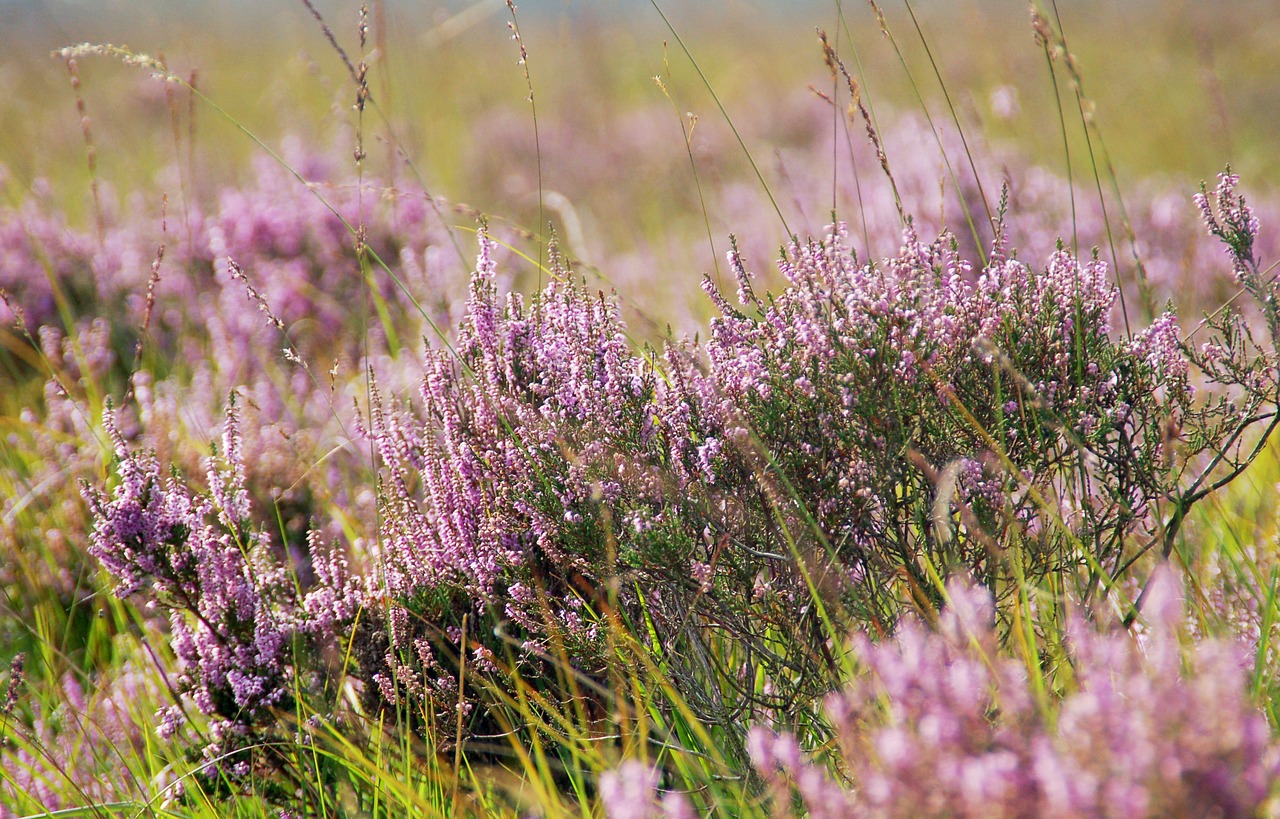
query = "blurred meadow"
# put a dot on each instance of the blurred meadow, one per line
(1179, 88)
(221, 271)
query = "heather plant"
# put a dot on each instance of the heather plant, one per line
(237, 618)
(942, 723)
(818, 463)
(920, 387)
(542, 423)
(841, 445)
(991, 420)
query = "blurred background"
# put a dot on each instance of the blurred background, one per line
(1177, 89)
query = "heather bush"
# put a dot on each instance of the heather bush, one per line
(890, 394)
(942, 723)
(840, 445)
(541, 425)
(238, 622)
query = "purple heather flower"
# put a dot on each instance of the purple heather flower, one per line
(630, 792)
(1146, 731)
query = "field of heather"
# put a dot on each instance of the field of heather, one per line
(638, 410)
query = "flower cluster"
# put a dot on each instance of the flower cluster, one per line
(1229, 218)
(536, 468)
(943, 724)
(148, 309)
(904, 399)
(234, 613)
